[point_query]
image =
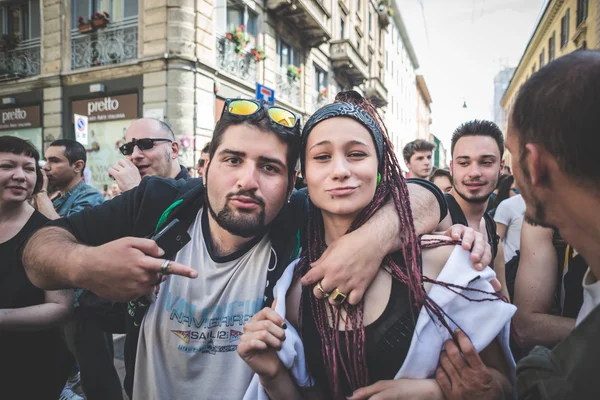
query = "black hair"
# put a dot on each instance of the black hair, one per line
(15, 145)
(478, 128)
(504, 190)
(264, 124)
(416, 145)
(74, 151)
(206, 148)
(557, 108)
(439, 173)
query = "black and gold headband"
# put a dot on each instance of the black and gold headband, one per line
(343, 109)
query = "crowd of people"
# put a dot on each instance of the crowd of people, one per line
(332, 277)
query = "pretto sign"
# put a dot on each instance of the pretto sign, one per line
(108, 108)
(20, 117)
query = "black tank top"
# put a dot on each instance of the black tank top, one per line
(387, 340)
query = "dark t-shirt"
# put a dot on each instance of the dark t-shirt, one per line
(33, 364)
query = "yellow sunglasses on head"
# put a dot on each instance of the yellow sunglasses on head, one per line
(255, 110)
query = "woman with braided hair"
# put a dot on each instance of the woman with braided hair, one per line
(398, 330)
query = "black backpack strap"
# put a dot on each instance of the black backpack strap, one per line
(456, 213)
(493, 238)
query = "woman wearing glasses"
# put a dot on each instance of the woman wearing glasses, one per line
(397, 333)
(33, 357)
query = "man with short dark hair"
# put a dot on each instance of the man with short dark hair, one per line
(150, 150)
(65, 162)
(476, 147)
(418, 158)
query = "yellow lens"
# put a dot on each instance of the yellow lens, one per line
(282, 116)
(242, 107)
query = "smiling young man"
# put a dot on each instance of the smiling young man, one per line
(477, 148)
(150, 150)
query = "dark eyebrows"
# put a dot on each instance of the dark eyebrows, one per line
(272, 161)
(232, 152)
(53, 159)
(351, 143)
(322, 142)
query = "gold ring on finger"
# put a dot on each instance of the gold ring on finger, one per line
(164, 269)
(323, 292)
(338, 296)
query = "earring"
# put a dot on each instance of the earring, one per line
(378, 179)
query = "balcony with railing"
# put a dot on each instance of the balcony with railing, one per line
(21, 62)
(288, 88)
(236, 61)
(310, 18)
(346, 58)
(114, 44)
(376, 92)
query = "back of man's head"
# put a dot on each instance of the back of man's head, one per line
(74, 151)
(557, 109)
(416, 145)
(478, 128)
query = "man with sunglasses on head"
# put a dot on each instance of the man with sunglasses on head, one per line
(244, 228)
(150, 150)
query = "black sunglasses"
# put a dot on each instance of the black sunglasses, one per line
(282, 119)
(142, 144)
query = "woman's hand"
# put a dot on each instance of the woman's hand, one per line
(400, 389)
(262, 337)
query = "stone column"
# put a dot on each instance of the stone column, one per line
(154, 29)
(181, 109)
(51, 37)
(52, 109)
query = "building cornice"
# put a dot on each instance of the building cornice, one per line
(545, 22)
(422, 86)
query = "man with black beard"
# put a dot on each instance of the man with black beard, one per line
(476, 148)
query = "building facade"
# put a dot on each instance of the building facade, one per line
(564, 26)
(177, 60)
(423, 116)
(501, 82)
(401, 64)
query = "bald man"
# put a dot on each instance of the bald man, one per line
(156, 156)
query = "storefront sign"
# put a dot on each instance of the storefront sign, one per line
(109, 108)
(20, 117)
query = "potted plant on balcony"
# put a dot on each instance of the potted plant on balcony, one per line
(322, 94)
(84, 26)
(239, 37)
(9, 42)
(258, 53)
(100, 20)
(294, 72)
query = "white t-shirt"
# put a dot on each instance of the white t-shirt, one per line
(510, 213)
(188, 340)
(591, 295)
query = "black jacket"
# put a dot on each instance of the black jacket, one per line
(136, 213)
